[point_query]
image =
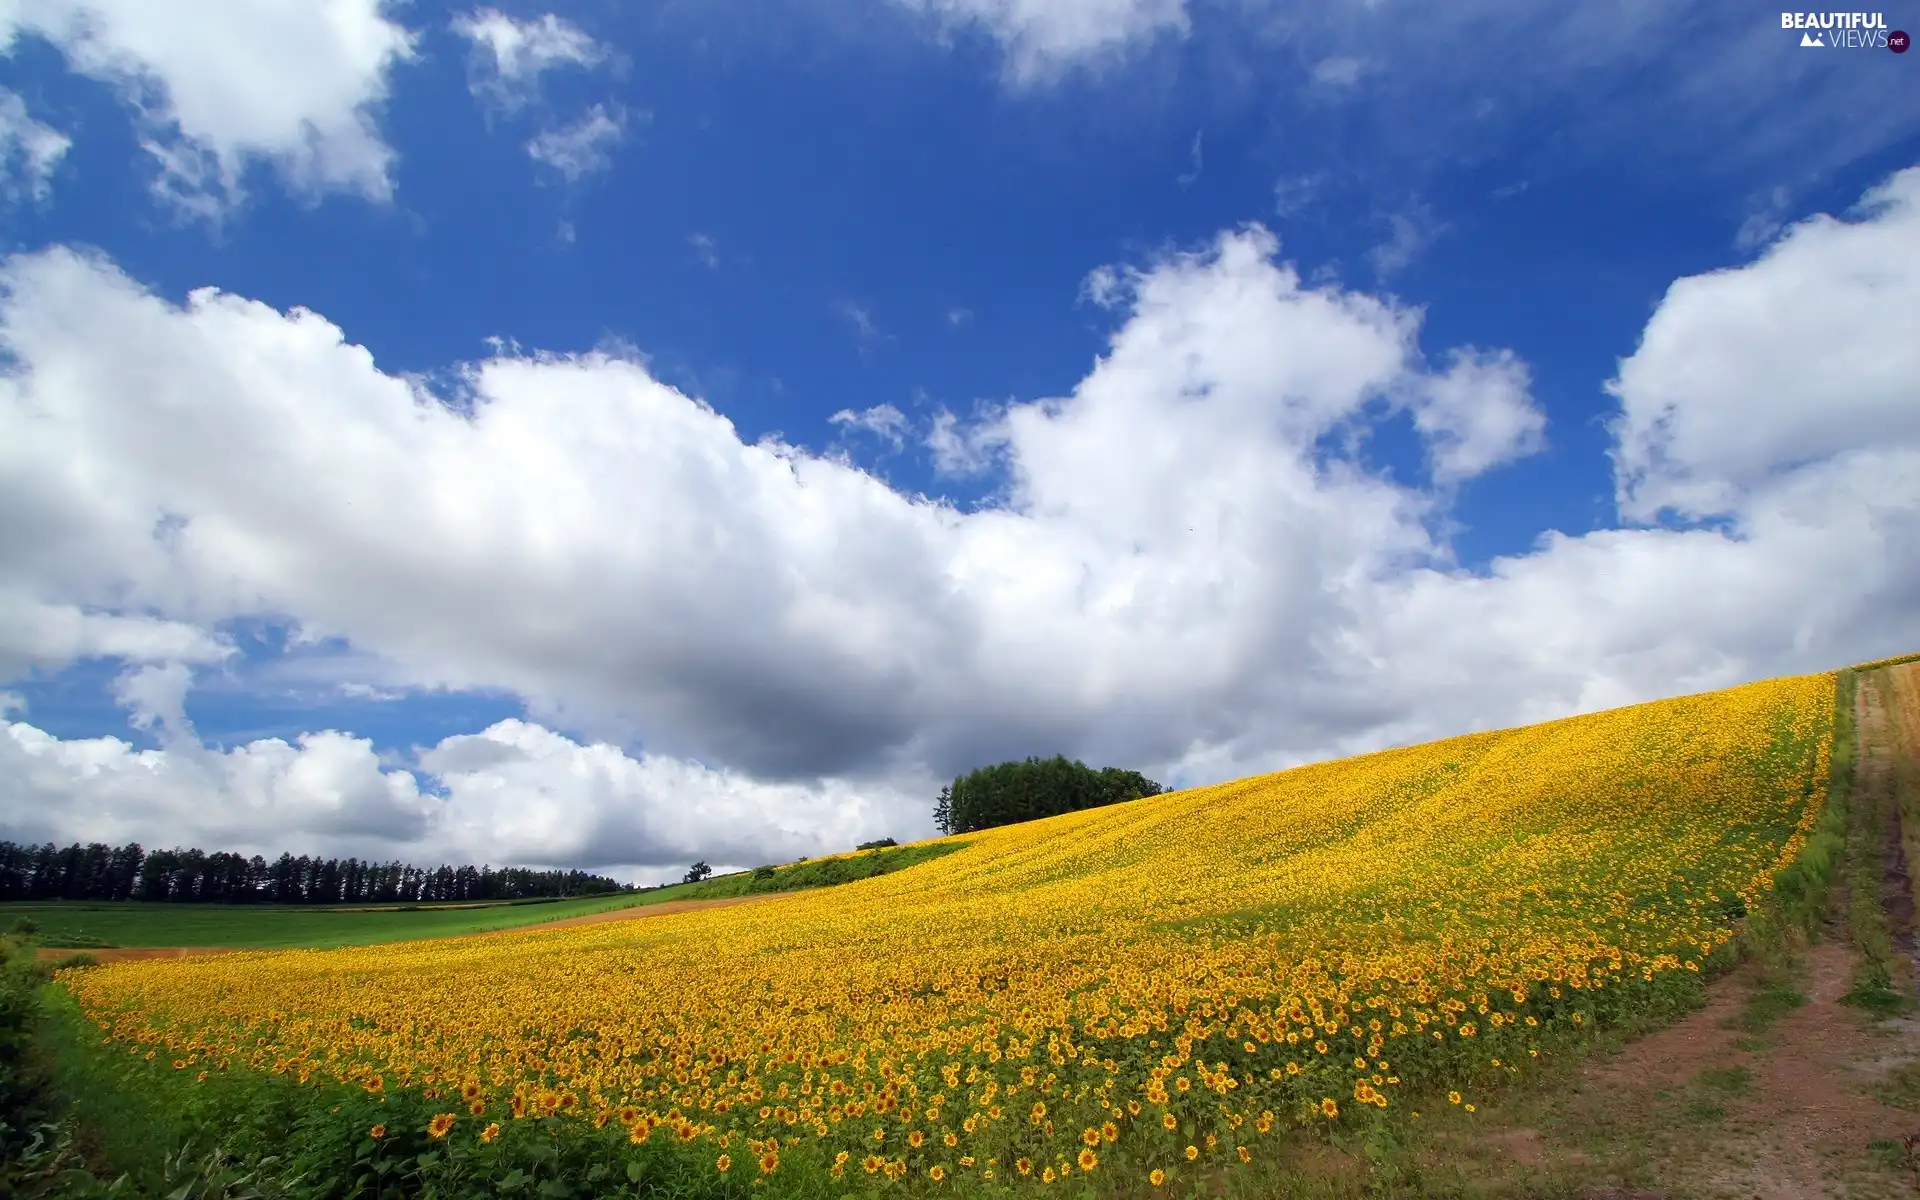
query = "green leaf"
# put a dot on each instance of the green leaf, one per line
(634, 1172)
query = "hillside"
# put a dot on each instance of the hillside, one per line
(1160, 986)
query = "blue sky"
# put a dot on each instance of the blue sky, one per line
(907, 209)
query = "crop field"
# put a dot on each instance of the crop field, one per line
(134, 923)
(1143, 994)
(85, 924)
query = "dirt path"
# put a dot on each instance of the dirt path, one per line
(1899, 695)
(1752, 1097)
(1818, 1101)
(667, 908)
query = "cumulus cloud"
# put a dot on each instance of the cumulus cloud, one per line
(1042, 39)
(510, 56)
(326, 792)
(49, 636)
(1804, 355)
(583, 147)
(1477, 415)
(222, 83)
(29, 151)
(1178, 570)
(514, 793)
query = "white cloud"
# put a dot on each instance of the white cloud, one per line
(325, 792)
(1338, 71)
(514, 793)
(29, 151)
(1477, 415)
(1804, 355)
(706, 249)
(1765, 218)
(353, 689)
(1196, 160)
(155, 697)
(960, 450)
(509, 56)
(884, 421)
(1042, 39)
(1177, 572)
(222, 83)
(867, 333)
(41, 635)
(1294, 193)
(582, 148)
(1411, 231)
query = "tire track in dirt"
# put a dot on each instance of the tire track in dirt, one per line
(1704, 1108)
(1900, 697)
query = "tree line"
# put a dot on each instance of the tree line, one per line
(1033, 788)
(102, 872)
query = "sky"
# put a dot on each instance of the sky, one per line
(611, 435)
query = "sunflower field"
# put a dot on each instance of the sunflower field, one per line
(1141, 992)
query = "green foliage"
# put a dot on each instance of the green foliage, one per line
(697, 872)
(1034, 788)
(279, 1139)
(810, 873)
(877, 844)
(1773, 999)
(97, 924)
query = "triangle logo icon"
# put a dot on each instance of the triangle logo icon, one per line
(1812, 39)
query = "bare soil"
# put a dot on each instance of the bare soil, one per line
(1812, 1105)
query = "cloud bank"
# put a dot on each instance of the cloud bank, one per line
(1183, 571)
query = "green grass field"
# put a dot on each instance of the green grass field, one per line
(100, 924)
(86, 924)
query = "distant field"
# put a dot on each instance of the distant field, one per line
(254, 927)
(88, 924)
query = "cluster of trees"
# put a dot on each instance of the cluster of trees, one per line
(102, 872)
(1033, 788)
